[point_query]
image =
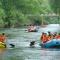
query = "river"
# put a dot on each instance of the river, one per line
(22, 51)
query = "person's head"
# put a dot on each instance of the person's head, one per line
(3, 33)
(43, 33)
(30, 25)
(49, 33)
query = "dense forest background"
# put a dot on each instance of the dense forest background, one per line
(16, 13)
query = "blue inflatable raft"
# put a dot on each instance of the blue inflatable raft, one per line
(55, 43)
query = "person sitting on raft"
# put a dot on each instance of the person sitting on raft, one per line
(50, 36)
(55, 35)
(32, 28)
(58, 36)
(44, 37)
(2, 37)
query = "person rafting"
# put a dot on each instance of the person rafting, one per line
(2, 39)
(44, 38)
(50, 36)
(58, 36)
(55, 35)
(50, 40)
(32, 28)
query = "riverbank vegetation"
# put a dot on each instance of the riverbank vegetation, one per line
(16, 13)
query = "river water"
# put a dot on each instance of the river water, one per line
(22, 51)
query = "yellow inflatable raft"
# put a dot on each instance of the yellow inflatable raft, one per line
(2, 45)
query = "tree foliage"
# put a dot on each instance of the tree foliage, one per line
(55, 5)
(14, 13)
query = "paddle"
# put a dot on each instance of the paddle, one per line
(12, 45)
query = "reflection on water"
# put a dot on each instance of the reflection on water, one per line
(21, 39)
